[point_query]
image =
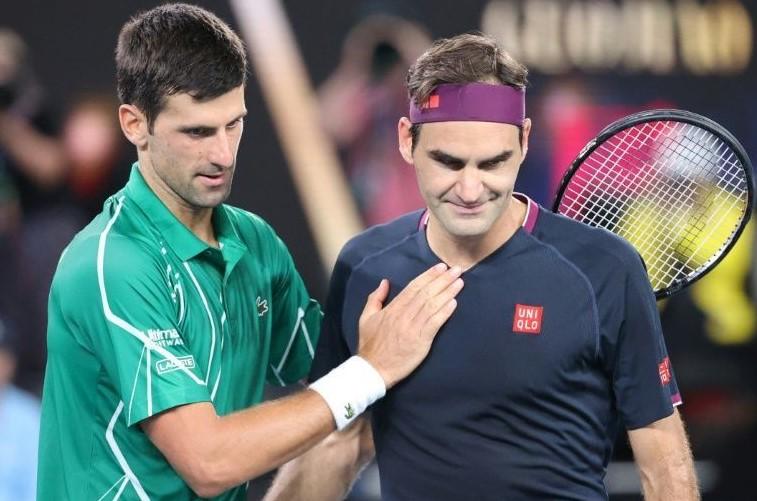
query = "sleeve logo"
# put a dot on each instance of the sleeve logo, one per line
(165, 338)
(166, 365)
(664, 369)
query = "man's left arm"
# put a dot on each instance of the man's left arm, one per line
(664, 459)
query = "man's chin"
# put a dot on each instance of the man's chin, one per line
(211, 201)
(467, 229)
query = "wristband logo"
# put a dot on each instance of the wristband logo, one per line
(349, 412)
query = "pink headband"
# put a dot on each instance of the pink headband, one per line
(472, 102)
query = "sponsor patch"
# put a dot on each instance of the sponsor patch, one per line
(165, 337)
(166, 365)
(527, 319)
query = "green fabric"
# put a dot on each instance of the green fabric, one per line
(143, 317)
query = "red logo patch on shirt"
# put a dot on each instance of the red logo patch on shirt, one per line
(664, 369)
(431, 102)
(527, 319)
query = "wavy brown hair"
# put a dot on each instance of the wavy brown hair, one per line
(466, 58)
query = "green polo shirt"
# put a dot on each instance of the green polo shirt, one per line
(143, 317)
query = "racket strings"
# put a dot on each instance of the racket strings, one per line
(609, 167)
(676, 191)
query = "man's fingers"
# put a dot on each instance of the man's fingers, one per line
(443, 281)
(431, 292)
(419, 283)
(375, 301)
(439, 301)
(435, 322)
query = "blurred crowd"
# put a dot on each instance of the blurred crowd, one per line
(59, 161)
(57, 165)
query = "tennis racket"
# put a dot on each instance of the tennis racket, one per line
(675, 184)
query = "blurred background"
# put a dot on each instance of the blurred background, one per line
(591, 62)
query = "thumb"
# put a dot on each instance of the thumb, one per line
(375, 301)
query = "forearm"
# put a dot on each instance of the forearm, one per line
(665, 461)
(673, 477)
(266, 436)
(215, 453)
(327, 471)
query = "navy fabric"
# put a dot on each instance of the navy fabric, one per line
(501, 409)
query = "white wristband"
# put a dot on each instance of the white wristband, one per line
(349, 389)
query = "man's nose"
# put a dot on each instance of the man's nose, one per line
(469, 184)
(222, 151)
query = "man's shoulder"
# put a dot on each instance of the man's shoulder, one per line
(380, 237)
(572, 237)
(110, 244)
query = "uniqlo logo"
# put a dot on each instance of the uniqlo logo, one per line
(527, 319)
(664, 369)
(432, 102)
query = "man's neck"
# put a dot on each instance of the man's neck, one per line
(198, 220)
(467, 252)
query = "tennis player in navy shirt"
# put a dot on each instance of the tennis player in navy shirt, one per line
(555, 345)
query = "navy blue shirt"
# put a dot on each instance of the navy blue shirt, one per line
(554, 346)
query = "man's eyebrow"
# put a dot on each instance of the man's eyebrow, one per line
(501, 157)
(445, 158)
(205, 128)
(239, 117)
(196, 128)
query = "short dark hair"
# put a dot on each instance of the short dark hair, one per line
(466, 58)
(176, 48)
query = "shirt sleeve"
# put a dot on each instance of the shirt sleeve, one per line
(296, 320)
(135, 334)
(332, 347)
(643, 380)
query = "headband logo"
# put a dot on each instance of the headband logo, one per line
(431, 103)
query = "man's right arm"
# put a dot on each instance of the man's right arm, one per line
(327, 471)
(215, 453)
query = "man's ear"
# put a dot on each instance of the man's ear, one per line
(133, 124)
(405, 139)
(526, 133)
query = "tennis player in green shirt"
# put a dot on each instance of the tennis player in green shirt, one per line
(170, 310)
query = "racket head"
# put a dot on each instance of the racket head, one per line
(677, 185)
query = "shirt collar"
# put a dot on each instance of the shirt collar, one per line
(182, 241)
